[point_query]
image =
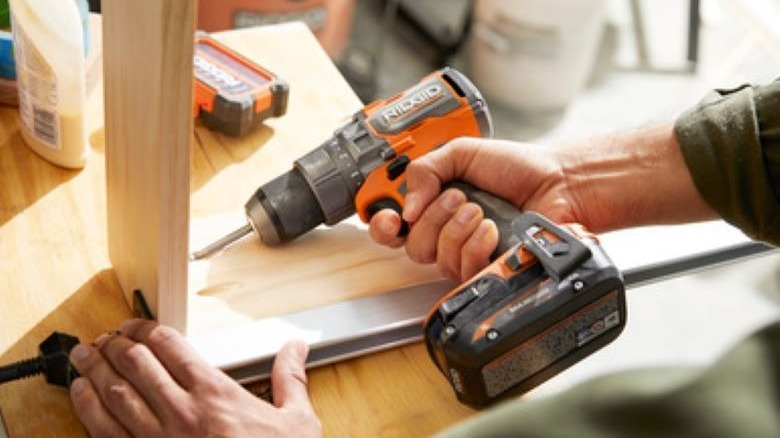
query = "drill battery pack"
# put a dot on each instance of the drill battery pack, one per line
(551, 300)
(232, 93)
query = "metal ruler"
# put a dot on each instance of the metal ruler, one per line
(360, 326)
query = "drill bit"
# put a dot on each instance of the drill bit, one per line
(222, 243)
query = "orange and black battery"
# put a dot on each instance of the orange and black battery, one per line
(232, 93)
(550, 300)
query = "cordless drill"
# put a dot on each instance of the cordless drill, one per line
(361, 167)
(550, 297)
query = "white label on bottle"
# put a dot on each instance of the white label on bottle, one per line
(37, 92)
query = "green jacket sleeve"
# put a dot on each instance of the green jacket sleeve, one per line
(731, 144)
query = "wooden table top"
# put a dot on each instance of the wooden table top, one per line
(55, 274)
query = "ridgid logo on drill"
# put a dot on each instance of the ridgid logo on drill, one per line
(409, 104)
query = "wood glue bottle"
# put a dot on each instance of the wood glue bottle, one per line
(49, 55)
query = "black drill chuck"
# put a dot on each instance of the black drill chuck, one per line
(283, 209)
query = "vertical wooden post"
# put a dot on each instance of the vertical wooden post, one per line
(148, 74)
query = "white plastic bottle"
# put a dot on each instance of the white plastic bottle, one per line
(49, 55)
(535, 56)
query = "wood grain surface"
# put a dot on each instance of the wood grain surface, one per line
(54, 268)
(148, 132)
(55, 272)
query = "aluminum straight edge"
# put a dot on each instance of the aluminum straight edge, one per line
(366, 325)
(347, 329)
(685, 265)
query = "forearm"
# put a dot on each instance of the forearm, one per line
(631, 179)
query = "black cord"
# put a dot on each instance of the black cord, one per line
(53, 362)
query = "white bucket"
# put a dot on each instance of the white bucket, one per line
(534, 55)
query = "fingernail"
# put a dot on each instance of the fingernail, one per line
(447, 273)
(451, 199)
(105, 336)
(483, 229)
(466, 214)
(410, 206)
(78, 385)
(100, 339)
(80, 352)
(302, 350)
(389, 227)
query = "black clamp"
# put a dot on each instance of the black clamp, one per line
(140, 306)
(53, 362)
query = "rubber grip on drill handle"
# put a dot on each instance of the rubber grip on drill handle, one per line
(498, 210)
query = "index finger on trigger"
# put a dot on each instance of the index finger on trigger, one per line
(425, 175)
(384, 228)
(422, 187)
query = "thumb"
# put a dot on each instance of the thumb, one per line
(288, 376)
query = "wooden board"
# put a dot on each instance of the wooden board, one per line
(250, 281)
(148, 57)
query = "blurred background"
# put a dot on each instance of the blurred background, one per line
(550, 69)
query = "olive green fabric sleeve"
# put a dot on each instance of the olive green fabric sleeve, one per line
(731, 144)
(739, 396)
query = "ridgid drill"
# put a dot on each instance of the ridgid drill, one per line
(361, 167)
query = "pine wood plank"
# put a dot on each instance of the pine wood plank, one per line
(148, 57)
